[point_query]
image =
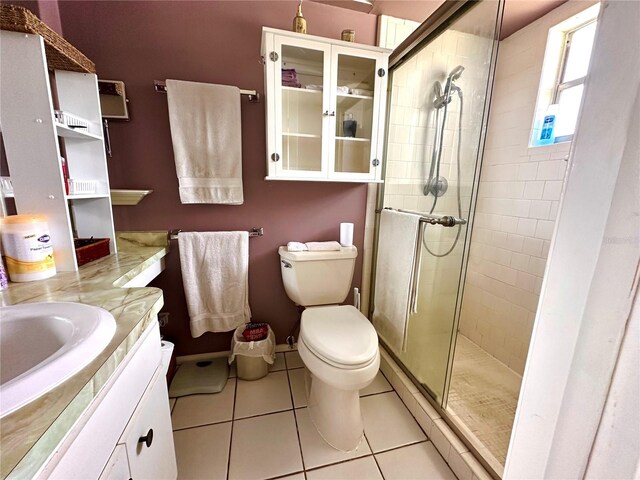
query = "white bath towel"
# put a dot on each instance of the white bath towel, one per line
(207, 141)
(397, 271)
(323, 246)
(296, 247)
(215, 275)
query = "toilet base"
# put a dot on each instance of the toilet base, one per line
(335, 413)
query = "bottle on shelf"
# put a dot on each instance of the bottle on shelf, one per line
(349, 126)
(299, 22)
(547, 132)
(65, 174)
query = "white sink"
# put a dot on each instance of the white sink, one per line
(43, 344)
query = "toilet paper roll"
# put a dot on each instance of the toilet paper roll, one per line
(346, 234)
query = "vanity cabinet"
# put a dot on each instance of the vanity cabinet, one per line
(34, 142)
(126, 431)
(326, 103)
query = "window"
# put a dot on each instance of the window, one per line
(565, 69)
(573, 72)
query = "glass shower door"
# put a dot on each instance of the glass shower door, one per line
(436, 125)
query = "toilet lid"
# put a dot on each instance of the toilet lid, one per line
(339, 334)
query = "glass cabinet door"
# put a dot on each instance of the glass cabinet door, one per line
(301, 97)
(355, 102)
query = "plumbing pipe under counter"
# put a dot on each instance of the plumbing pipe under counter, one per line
(30, 435)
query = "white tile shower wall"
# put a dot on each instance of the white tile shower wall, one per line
(411, 130)
(518, 202)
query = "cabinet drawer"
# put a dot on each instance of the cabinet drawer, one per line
(117, 466)
(154, 458)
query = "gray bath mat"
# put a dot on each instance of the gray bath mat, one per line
(209, 376)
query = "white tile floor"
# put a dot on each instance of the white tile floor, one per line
(262, 430)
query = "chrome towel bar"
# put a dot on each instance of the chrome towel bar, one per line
(444, 220)
(254, 97)
(254, 232)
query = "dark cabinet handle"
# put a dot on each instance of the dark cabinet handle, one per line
(147, 439)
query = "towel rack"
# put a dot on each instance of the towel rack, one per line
(254, 97)
(254, 232)
(444, 220)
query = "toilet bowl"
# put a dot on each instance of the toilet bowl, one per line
(339, 348)
(337, 344)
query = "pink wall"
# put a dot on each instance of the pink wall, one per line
(217, 42)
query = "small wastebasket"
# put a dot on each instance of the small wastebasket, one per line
(253, 358)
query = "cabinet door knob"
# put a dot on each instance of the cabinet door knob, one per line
(147, 439)
(375, 162)
(275, 157)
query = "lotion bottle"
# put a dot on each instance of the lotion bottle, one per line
(299, 22)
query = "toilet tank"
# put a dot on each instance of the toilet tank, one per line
(317, 278)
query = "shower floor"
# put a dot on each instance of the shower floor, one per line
(482, 400)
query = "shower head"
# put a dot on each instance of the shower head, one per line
(444, 97)
(456, 73)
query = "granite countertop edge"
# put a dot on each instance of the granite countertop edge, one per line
(31, 434)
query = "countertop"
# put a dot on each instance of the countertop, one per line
(30, 434)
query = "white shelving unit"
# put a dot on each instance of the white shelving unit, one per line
(306, 139)
(33, 141)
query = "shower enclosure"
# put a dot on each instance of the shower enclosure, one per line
(438, 107)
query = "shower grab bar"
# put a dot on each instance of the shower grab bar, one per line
(444, 220)
(254, 97)
(254, 232)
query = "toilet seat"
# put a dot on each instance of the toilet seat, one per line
(340, 336)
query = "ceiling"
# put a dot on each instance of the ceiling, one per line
(517, 13)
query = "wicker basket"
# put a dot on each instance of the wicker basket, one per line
(90, 249)
(61, 55)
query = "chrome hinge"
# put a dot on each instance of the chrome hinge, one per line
(273, 56)
(275, 157)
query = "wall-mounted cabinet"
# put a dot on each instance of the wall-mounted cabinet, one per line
(35, 141)
(326, 102)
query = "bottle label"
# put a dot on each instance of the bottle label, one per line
(28, 252)
(547, 127)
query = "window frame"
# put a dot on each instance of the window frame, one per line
(559, 84)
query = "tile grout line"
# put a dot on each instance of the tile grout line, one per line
(295, 419)
(233, 419)
(233, 415)
(374, 457)
(429, 438)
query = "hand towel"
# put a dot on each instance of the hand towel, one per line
(207, 141)
(296, 247)
(323, 246)
(215, 275)
(397, 272)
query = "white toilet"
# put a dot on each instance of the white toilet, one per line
(337, 344)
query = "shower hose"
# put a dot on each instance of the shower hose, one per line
(437, 175)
